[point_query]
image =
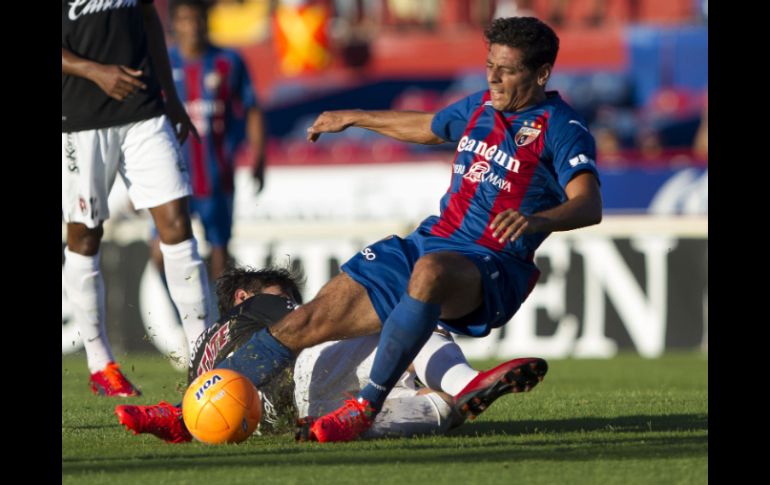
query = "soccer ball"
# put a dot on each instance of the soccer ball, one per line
(221, 406)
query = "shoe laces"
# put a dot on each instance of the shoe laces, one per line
(353, 412)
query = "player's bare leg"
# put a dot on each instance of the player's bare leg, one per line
(185, 272)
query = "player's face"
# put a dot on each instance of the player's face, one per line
(512, 85)
(190, 25)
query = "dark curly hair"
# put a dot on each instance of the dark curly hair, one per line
(537, 41)
(254, 280)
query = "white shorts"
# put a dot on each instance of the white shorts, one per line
(145, 153)
(327, 374)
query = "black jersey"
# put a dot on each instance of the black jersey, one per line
(108, 32)
(231, 332)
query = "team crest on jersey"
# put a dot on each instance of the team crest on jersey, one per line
(527, 133)
(212, 81)
(476, 172)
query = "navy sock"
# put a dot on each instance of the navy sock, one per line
(259, 359)
(404, 333)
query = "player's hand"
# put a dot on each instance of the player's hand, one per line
(118, 82)
(258, 174)
(329, 122)
(181, 121)
(510, 225)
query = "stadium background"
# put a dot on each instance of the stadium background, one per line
(636, 69)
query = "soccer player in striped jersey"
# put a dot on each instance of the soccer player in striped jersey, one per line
(523, 168)
(215, 86)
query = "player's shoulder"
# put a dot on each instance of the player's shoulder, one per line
(227, 53)
(561, 113)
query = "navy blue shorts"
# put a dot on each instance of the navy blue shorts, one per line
(216, 215)
(384, 269)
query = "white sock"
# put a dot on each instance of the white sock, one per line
(188, 285)
(84, 285)
(441, 365)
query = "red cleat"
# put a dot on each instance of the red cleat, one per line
(162, 419)
(345, 424)
(517, 375)
(112, 382)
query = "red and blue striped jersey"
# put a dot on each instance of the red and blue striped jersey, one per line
(508, 160)
(217, 92)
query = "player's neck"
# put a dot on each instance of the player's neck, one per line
(192, 51)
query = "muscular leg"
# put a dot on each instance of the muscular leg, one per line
(185, 272)
(340, 310)
(84, 284)
(444, 283)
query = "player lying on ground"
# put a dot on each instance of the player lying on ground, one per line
(324, 374)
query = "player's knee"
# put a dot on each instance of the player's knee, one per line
(174, 230)
(430, 274)
(84, 240)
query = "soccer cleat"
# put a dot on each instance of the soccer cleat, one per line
(112, 382)
(162, 419)
(517, 375)
(345, 424)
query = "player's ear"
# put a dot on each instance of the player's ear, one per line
(543, 74)
(241, 295)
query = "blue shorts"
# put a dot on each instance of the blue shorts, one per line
(384, 269)
(216, 214)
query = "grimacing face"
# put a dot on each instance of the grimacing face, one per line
(512, 85)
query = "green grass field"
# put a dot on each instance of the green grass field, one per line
(625, 420)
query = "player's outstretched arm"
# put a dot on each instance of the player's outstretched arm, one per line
(118, 82)
(582, 208)
(410, 126)
(156, 46)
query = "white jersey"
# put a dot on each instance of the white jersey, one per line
(327, 374)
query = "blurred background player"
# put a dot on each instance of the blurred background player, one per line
(115, 120)
(215, 87)
(324, 375)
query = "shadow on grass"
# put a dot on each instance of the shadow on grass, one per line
(626, 424)
(498, 445)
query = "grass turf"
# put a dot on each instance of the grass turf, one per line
(625, 420)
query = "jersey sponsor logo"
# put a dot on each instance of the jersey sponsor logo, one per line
(200, 110)
(477, 171)
(206, 385)
(580, 159)
(218, 340)
(369, 254)
(212, 81)
(78, 8)
(490, 153)
(69, 154)
(527, 133)
(480, 172)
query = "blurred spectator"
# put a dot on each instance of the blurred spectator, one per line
(701, 145)
(410, 13)
(608, 147)
(514, 8)
(649, 144)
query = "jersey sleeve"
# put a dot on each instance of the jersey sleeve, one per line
(572, 146)
(243, 87)
(449, 123)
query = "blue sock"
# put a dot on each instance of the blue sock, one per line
(404, 333)
(259, 359)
